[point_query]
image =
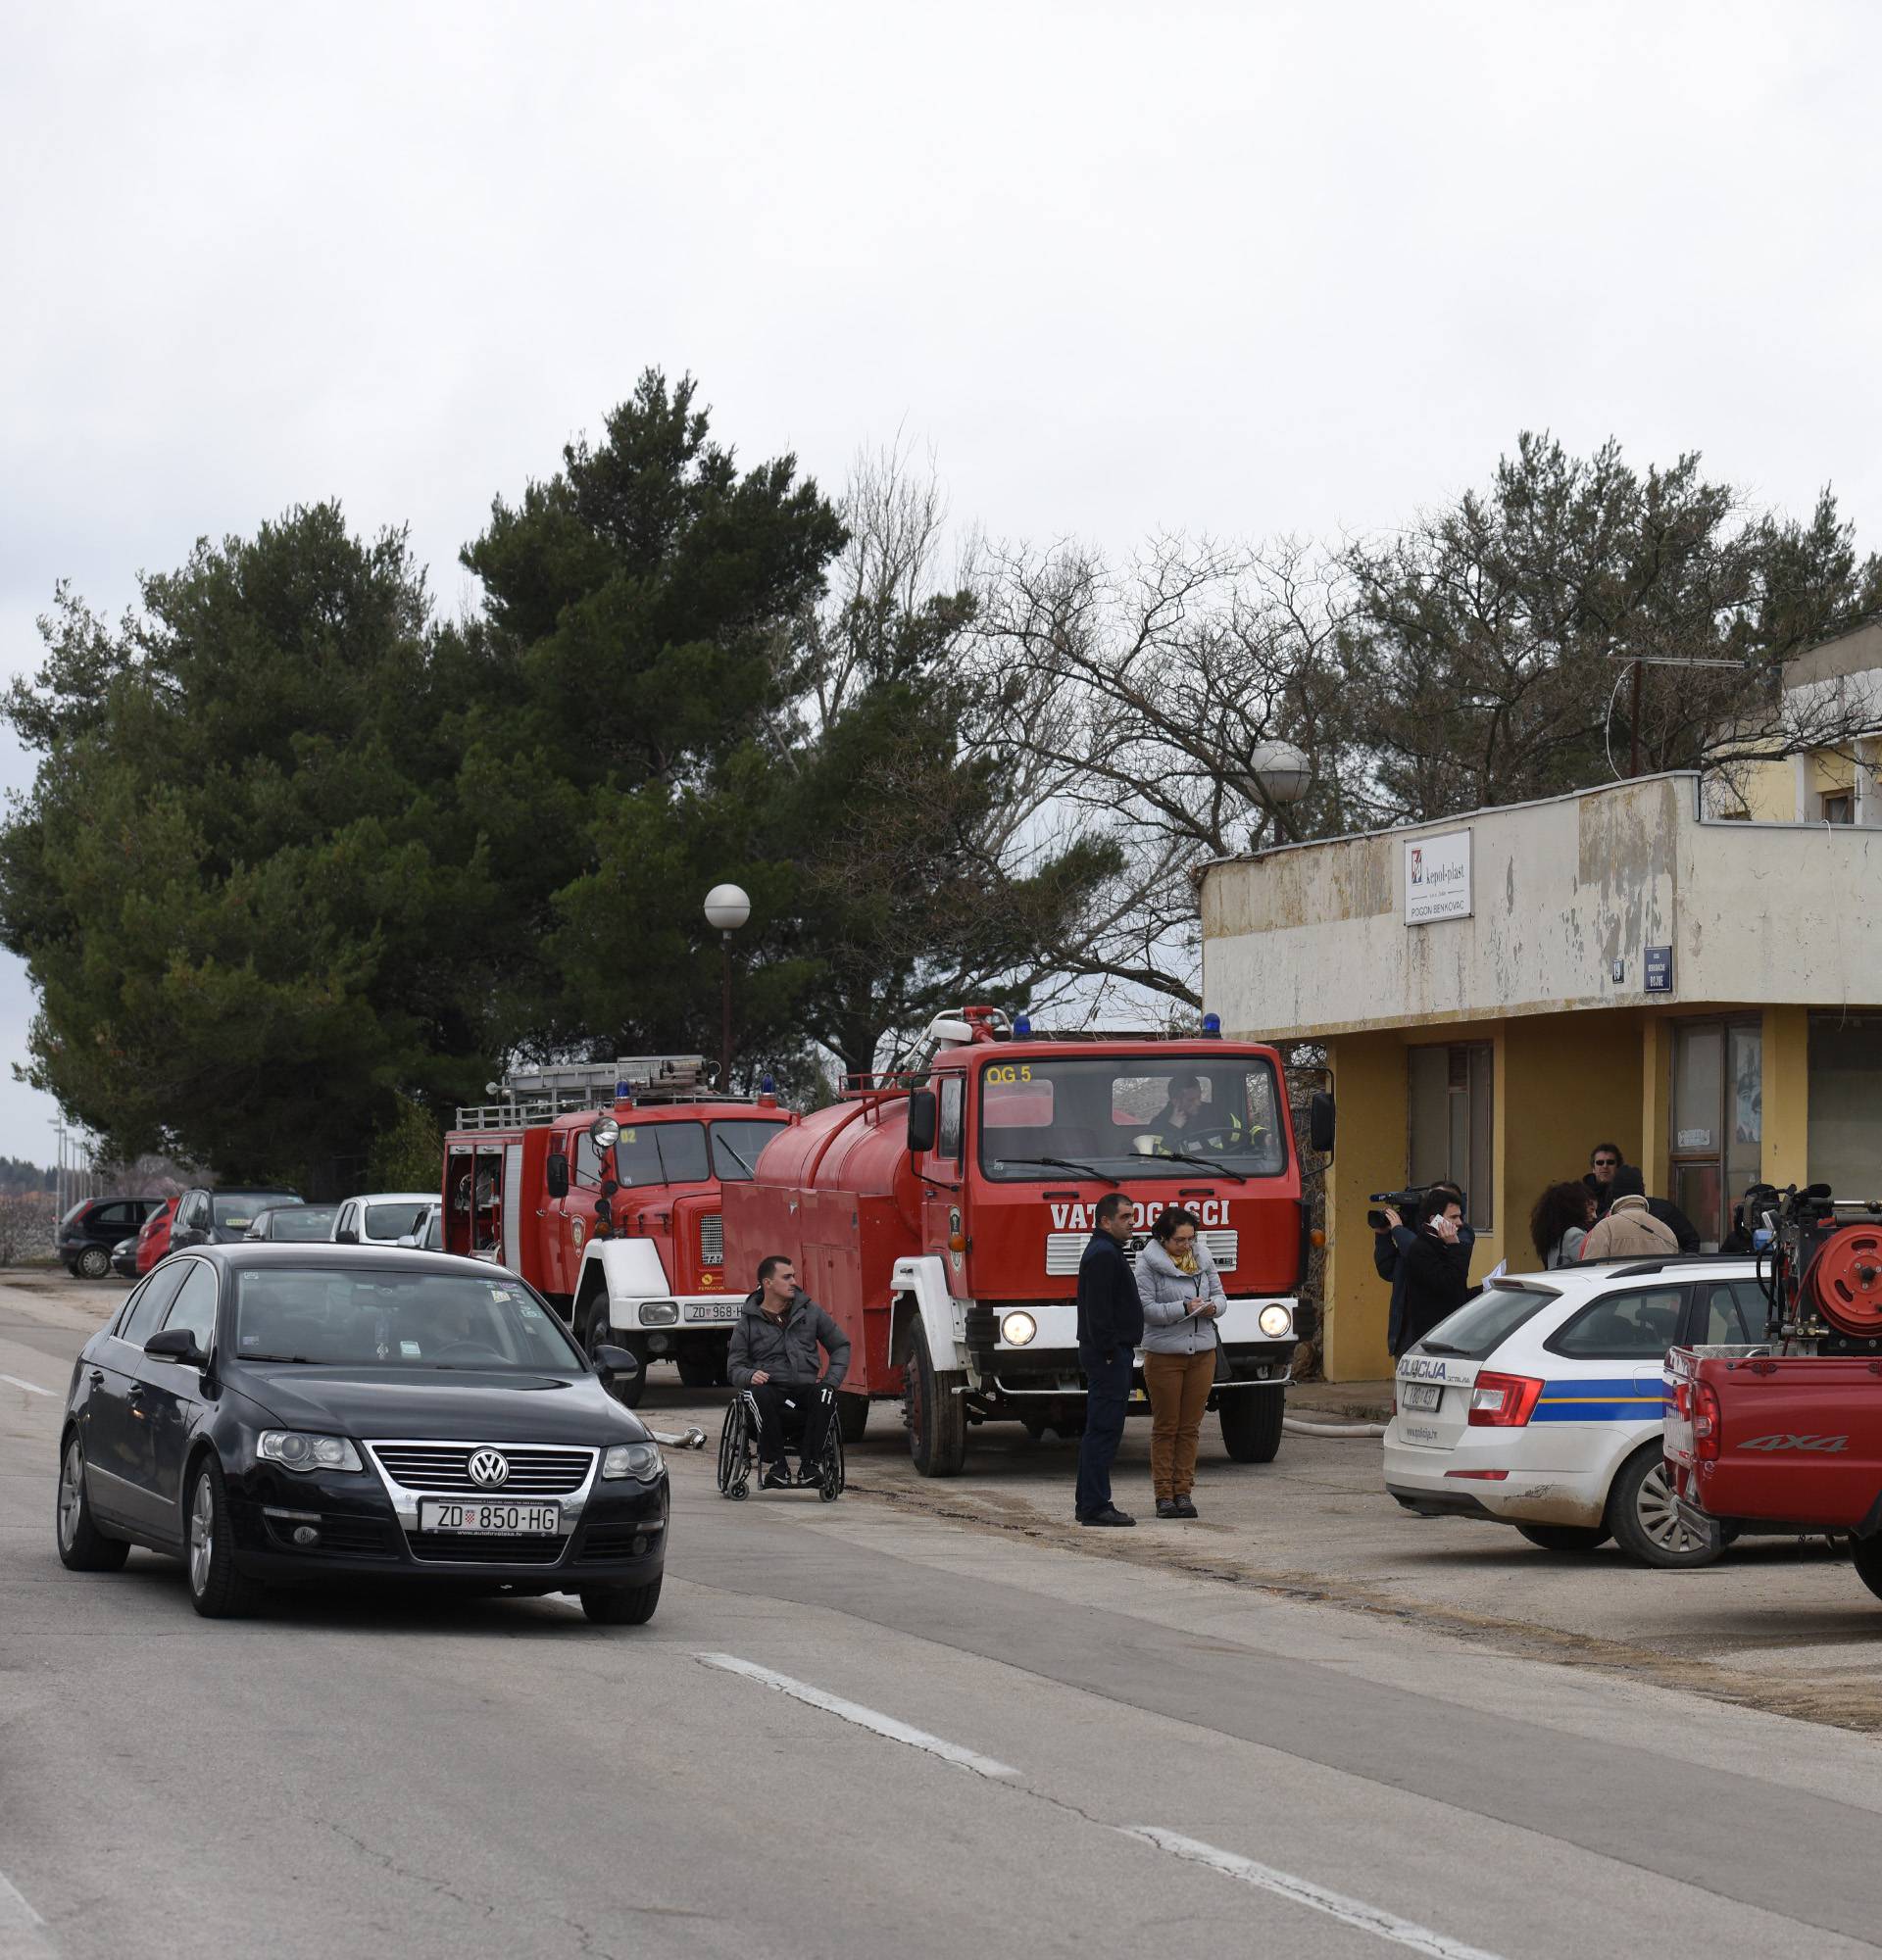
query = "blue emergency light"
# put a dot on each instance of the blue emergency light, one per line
(767, 1084)
(1212, 1025)
(1021, 1026)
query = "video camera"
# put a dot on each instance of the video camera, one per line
(1407, 1204)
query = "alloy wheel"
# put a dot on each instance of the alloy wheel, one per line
(202, 1533)
(1659, 1516)
(71, 1493)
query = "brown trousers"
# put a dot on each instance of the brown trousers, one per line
(1178, 1387)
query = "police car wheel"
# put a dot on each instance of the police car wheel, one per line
(1566, 1537)
(1646, 1523)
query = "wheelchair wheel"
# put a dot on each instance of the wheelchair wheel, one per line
(735, 1443)
(831, 1485)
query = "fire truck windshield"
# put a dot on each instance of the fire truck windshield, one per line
(1132, 1117)
(676, 1152)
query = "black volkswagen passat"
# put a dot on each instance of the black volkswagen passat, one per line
(282, 1414)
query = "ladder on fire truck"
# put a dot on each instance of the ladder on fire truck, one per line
(536, 1093)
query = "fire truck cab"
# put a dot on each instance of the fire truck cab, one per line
(600, 1184)
(940, 1216)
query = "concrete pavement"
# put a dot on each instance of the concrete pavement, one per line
(1160, 1754)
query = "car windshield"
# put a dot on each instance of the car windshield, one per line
(396, 1221)
(1482, 1325)
(736, 1147)
(1130, 1117)
(397, 1319)
(238, 1210)
(301, 1221)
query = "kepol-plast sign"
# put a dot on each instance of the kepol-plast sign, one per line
(1437, 877)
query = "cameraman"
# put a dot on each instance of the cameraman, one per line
(1391, 1253)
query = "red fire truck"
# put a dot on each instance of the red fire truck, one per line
(940, 1216)
(600, 1182)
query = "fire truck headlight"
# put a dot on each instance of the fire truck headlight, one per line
(658, 1313)
(1275, 1321)
(1016, 1329)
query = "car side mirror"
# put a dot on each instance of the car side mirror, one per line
(173, 1344)
(923, 1115)
(346, 1237)
(1319, 1122)
(555, 1173)
(612, 1363)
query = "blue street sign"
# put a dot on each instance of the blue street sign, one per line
(1660, 969)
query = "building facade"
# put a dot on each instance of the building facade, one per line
(1688, 968)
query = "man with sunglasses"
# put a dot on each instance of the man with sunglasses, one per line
(1604, 1161)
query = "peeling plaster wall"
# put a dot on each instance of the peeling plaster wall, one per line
(1313, 940)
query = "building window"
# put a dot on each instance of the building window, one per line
(1845, 1134)
(1449, 1108)
(1839, 806)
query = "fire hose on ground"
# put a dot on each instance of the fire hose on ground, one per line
(1300, 1427)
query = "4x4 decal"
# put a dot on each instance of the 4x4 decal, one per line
(1829, 1444)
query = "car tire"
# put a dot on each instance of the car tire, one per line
(851, 1416)
(1251, 1420)
(216, 1589)
(937, 1412)
(1645, 1524)
(698, 1370)
(94, 1262)
(621, 1606)
(82, 1546)
(1865, 1554)
(597, 1333)
(1566, 1537)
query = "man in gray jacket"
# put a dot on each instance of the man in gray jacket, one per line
(773, 1354)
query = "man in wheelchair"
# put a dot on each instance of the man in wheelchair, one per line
(774, 1355)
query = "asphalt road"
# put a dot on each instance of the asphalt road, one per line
(854, 1730)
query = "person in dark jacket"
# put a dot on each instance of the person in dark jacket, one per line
(773, 1354)
(1604, 1162)
(1111, 1323)
(1437, 1271)
(1389, 1249)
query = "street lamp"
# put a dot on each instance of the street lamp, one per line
(726, 910)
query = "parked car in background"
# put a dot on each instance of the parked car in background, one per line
(123, 1258)
(152, 1242)
(300, 1223)
(89, 1232)
(220, 1217)
(430, 1233)
(382, 1217)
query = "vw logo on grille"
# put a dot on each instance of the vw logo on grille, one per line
(490, 1468)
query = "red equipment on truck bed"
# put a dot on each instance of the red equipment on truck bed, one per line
(940, 1216)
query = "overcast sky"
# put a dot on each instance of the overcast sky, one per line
(1241, 269)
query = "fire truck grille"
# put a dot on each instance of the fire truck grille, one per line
(711, 1240)
(1064, 1250)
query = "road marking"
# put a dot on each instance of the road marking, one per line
(31, 1388)
(1303, 1891)
(9, 1890)
(863, 1718)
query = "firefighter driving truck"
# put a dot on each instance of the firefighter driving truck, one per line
(600, 1184)
(940, 1215)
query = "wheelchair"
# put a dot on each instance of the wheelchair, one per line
(738, 1452)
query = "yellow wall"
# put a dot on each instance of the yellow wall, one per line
(1769, 790)
(1573, 1081)
(1370, 1086)
(1787, 1096)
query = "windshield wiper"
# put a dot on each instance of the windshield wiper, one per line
(732, 1152)
(1065, 1163)
(1208, 1164)
(305, 1361)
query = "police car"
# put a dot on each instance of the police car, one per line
(1539, 1402)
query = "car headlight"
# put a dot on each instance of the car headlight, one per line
(1275, 1321)
(1016, 1329)
(639, 1460)
(294, 1450)
(658, 1313)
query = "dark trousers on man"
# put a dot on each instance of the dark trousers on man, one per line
(1106, 1390)
(799, 1410)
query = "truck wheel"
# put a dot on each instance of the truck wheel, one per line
(937, 1413)
(597, 1333)
(699, 1368)
(1645, 1522)
(1865, 1554)
(1566, 1537)
(851, 1416)
(1251, 1420)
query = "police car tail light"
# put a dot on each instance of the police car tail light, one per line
(1503, 1402)
(1706, 1437)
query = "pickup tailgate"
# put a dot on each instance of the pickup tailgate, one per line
(1795, 1439)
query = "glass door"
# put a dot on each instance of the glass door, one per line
(1717, 1120)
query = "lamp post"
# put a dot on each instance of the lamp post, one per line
(726, 910)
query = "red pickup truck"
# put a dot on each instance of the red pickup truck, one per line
(1787, 1436)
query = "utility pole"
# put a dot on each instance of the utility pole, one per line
(1633, 715)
